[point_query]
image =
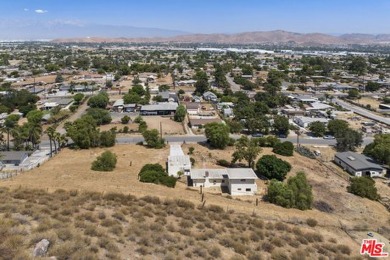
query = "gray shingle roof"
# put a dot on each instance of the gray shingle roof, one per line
(357, 161)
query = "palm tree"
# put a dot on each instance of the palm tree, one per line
(9, 124)
(57, 139)
(35, 132)
(50, 133)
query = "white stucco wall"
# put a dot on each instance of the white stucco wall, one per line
(242, 187)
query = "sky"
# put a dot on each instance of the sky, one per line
(209, 16)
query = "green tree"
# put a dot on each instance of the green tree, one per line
(278, 193)
(78, 98)
(180, 114)
(296, 193)
(50, 133)
(272, 167)
(138, 89)
(132, 98)
(83, 132)
(59, 78)
(153, 139)
(246, 149)
(201, 84)
(372, 86)
(281, 125)
(10, 124)
(286, 148)
(337, 126)
(301, 190)
(35, 117)
(99, 101)
(363, 187)
(101, 116)
(155, 173)
(106, 162)
(107, 138)
(317, 128)
(217, 134)
(125, 119)
(234, 126)
(348, 140)
(358, 65)
(353, 93)
(379, 149)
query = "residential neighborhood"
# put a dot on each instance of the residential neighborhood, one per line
(141, 149)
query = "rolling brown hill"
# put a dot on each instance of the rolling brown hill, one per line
(269, 37)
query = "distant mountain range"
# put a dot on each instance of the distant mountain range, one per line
(269, 37)
(71, 31)
(58, 29)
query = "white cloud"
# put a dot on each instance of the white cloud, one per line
(26, 9)
(40, 11)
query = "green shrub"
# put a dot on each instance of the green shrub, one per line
(125, 119)
(297, 193)
(285, 148)
(105, 162)
(223, 163)
(155, 173)
(363, 187)
(272, 167)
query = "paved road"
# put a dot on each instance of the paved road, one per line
(234, 86)
(362, 111)
(201, 138)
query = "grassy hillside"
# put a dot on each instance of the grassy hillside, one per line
(93, 225)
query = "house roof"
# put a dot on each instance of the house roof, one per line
(160, 106)
(241, 173)
(175, 150)
(118, 103)
(192, 105)
(195, 122)
(209, 94)
(357, 161)
(319, 106)
(227, 173)
(199, 174)
(13, 155)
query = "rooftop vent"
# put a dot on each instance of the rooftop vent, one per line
(351, 158)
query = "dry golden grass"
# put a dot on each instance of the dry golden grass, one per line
(169, 127)
(151, 229)
(70, 170)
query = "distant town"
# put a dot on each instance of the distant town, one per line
(300, 136)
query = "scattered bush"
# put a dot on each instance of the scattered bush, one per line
(125, 119)
(285, 148)
(155, 173)
(297, 193)
(304, 151)
(223, 163)
(105, 162)
(363, 187)
(311, 222)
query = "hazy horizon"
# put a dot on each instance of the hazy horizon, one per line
(201, 16)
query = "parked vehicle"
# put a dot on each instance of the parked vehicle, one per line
(329, 137)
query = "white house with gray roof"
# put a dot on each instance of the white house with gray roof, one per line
(358, 164)
(178, 161)
(239, 181)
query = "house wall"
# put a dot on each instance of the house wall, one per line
(242, 187)
(173, 168)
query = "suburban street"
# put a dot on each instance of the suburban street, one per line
(234, 86)
(362, 111)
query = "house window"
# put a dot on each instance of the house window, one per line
(223, 181)
(249, 189)
(239, 189)
(242, 180)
